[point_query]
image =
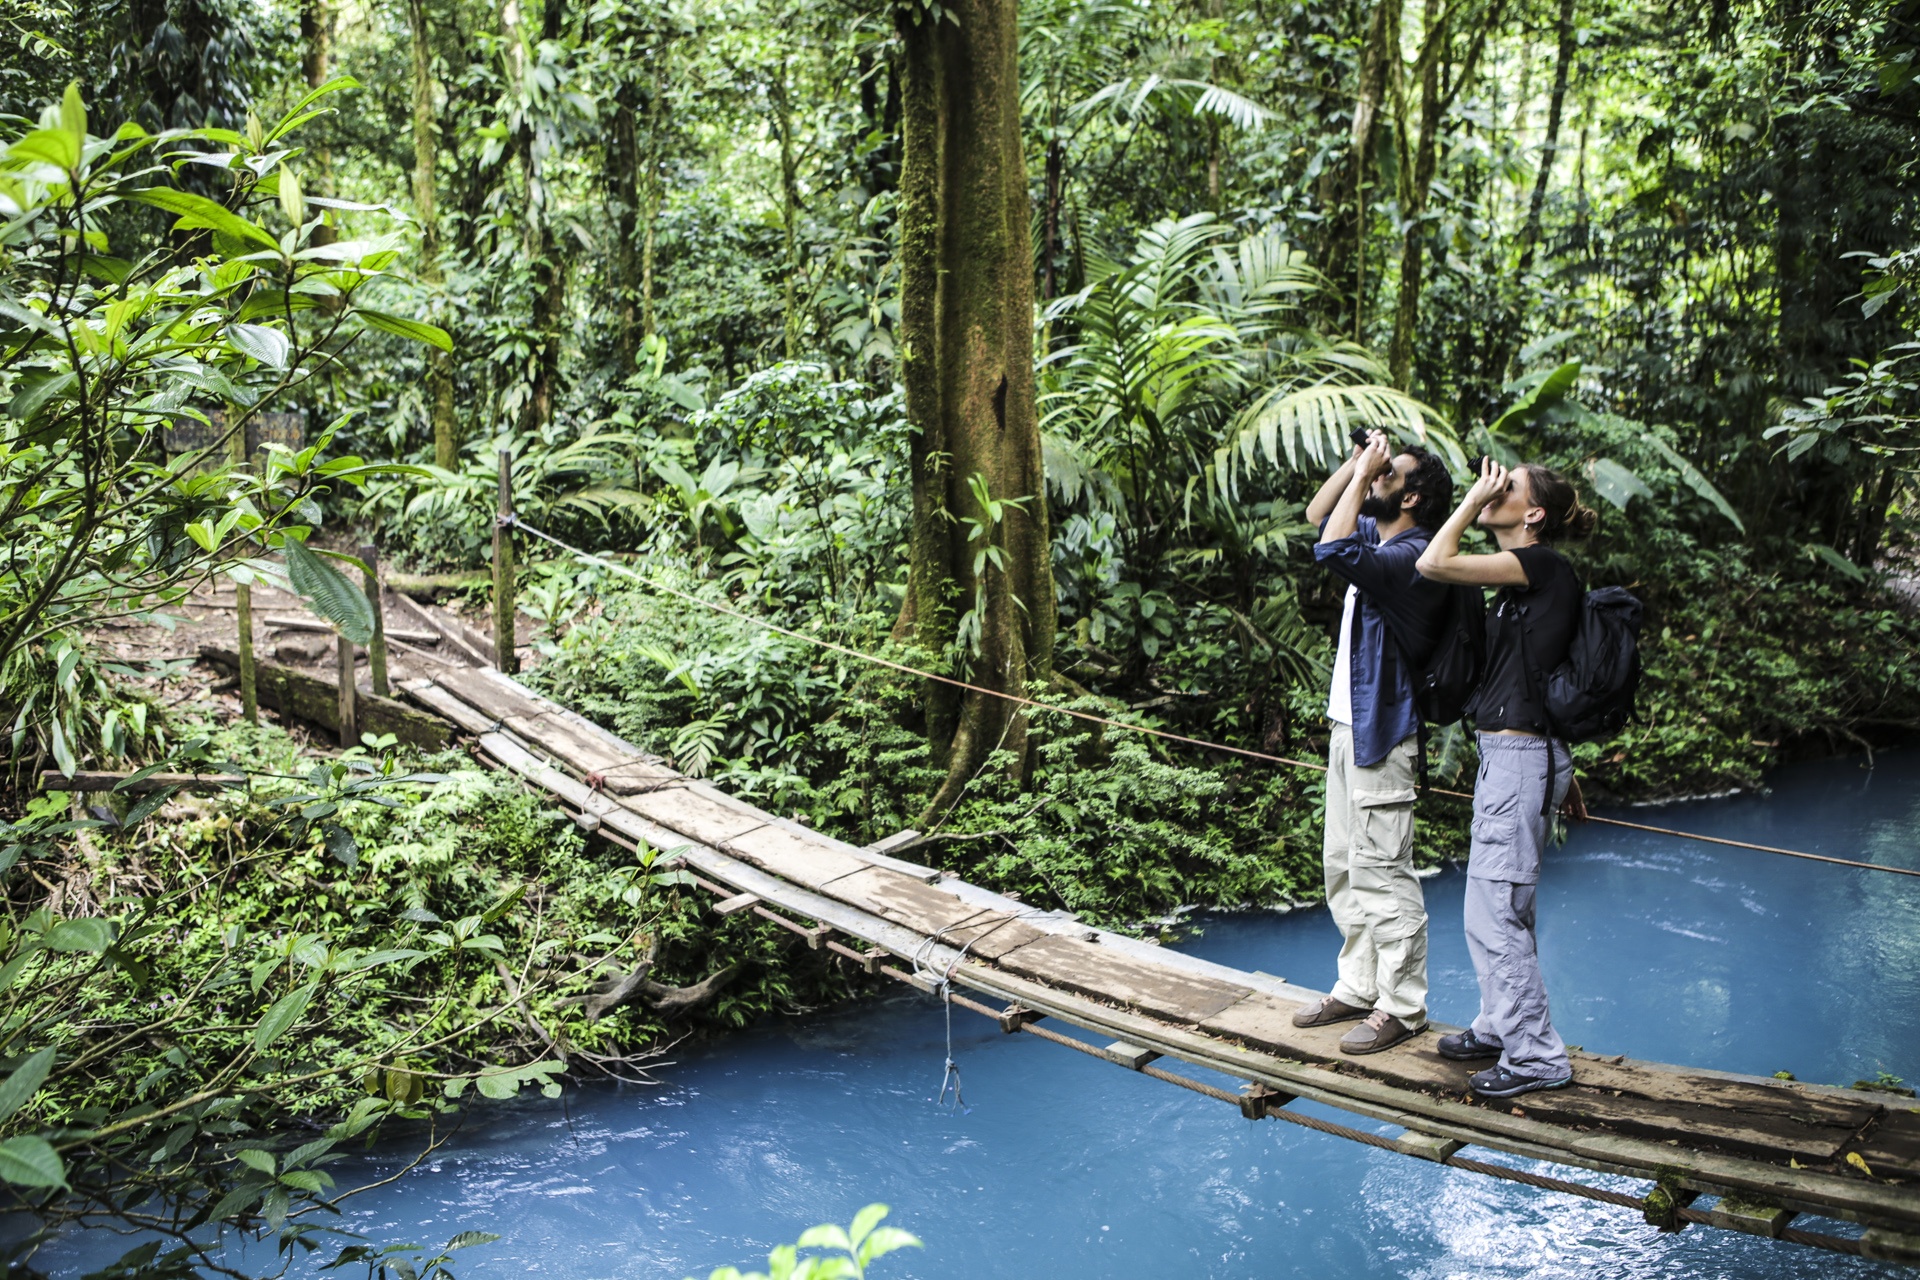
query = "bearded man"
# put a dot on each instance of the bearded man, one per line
(1376, 515)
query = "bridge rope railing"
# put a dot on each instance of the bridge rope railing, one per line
(1148, 730)
(1668, 1217)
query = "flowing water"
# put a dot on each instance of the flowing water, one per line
(1066, 1167)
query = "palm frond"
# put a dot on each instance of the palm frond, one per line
(1311, 422)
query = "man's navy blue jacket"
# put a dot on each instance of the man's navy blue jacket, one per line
(1392, 593)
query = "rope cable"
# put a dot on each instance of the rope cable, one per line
(1090, 718)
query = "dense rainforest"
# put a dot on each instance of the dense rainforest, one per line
(1004, 341)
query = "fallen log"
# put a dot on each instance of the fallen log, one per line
(432, 586)
(310, 698)
(314, 624)
(668, 1002)
(97, 780)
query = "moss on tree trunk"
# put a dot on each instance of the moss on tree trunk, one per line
(967, 360)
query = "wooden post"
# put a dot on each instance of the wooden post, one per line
(349, 713)
(243, 608)
(503, 606)
(377, 647)
(249, 683)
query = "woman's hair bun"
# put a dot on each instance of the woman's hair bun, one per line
(1580, 521)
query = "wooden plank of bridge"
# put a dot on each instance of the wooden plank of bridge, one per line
(1092, 970)
(1718, 1132)
(902, 899)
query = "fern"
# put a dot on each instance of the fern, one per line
(332, 595)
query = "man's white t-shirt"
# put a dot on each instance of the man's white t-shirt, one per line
(1340, 695)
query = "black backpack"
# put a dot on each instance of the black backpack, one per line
(1590, 695)
(1452, 669)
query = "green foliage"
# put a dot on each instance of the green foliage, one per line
(341, 941)
(857, 1246)
(115, 330)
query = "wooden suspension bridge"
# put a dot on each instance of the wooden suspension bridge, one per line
(1746, 1153)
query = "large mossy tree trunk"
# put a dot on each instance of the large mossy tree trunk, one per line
(966, 327)
(446, 438)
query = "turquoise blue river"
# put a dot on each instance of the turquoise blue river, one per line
(1065, 1167)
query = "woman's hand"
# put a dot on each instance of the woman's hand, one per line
(1490, 485)
(1575, 805)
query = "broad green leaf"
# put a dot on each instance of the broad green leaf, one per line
(62, 753)
(865, 1221)
(256, 1159)
(28, 1161)
(332, 595)
(198, 211)
(1834, 560)
(507, 902)
(49, 146)
(24, 1082)
(374, 959)
(241, 1197)
(399, 326)
(91, 934)
(883, 1241)
(269, 346)
(498, 1085)
(1540, 397)
(149, 805)
(36, 389)
(467, 1239)
(73, 113)
(285, 1012)
(341, 845)
(1615, 483)
(1695, 481)
(291, 202)
(826, 1236)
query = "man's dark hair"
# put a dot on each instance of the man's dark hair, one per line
(1429, 479)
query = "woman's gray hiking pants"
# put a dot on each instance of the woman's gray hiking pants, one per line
(1510, 831)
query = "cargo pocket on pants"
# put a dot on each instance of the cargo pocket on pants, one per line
(1495, 851)
(1382, 825)
(1382, 869)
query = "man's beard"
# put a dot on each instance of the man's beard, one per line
(1378, 508)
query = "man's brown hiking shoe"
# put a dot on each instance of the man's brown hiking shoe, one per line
(1324, 1010)
(1380, 1031)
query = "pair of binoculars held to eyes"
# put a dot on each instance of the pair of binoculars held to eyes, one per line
(1359, 436)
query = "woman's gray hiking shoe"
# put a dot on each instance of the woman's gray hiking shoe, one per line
(1465, 1046)
(1500, 1082)
(1324, 1010)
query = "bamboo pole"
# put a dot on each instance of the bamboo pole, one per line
(349, 713)
(243, 608)
(249, 680)
(503, 604)
(377, 647)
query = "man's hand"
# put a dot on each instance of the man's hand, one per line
(1375, 460)
(1575, 805)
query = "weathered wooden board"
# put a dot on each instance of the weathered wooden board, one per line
(991, 934)
(1891, 1147)
(792, 857)
(900, 898)
(295, 693)
(562, 740)
(1092, 970)
(693, 815)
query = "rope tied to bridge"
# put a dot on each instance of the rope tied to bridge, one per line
(1248, 753)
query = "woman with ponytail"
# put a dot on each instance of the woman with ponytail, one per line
(1525, 772)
